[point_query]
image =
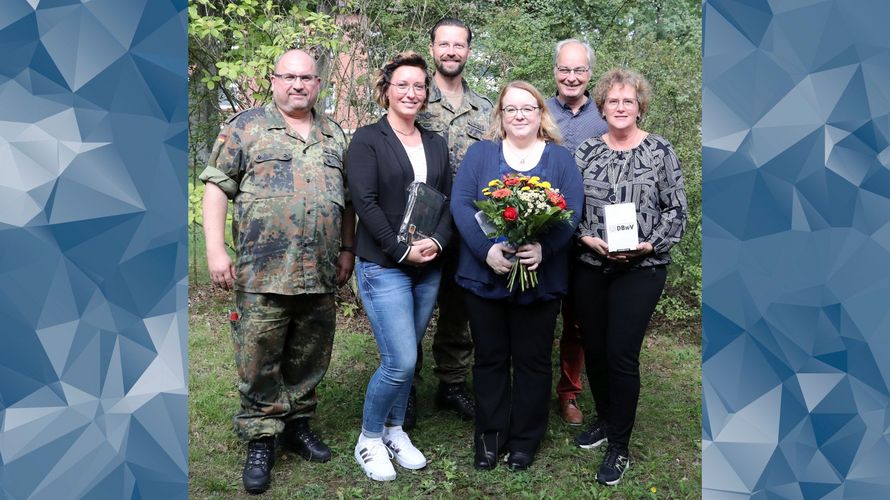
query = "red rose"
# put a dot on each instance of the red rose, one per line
(511, 181)
(510, 214)
(562, 203)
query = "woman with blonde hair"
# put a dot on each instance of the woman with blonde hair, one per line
(398, 279)
(513, 330)
(616, 291)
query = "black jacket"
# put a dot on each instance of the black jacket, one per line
(379, 173)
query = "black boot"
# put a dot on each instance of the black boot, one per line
(455, 397)
(257, 472)
(299, 438)
(411, 411)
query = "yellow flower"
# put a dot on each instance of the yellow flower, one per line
(652, 489)
(545, 184)
(486, 191)
(534, 180)
(525, 188)
(493, 183)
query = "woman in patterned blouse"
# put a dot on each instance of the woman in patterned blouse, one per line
(616, 292)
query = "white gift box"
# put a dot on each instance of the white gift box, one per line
(621, 227)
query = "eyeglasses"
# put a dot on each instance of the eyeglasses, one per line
(580, 71)
(290, 79)
(402, 88)
(628, 103)
(510, 111)
(445, 46)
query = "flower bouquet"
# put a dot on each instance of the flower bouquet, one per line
(519, 208)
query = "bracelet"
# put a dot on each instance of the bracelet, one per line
(347, 248)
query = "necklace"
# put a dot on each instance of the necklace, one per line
(406, 134)
(615, 176)
(515, 152)
(630, 141)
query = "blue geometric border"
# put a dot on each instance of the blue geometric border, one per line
(796, 244)
(93, 290)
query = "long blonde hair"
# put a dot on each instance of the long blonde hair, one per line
(548, 130)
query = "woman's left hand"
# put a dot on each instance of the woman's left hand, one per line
(529, 255)
(643, 248)
(422, 251)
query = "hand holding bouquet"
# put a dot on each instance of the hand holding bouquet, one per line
(520, 209)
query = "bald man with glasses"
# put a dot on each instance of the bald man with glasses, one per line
(578, 119)
(293, 228)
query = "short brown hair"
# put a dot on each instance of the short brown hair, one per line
(622, 77)
(383, 78)
(548, 130)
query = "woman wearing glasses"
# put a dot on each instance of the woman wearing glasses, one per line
(513, 331)
(397, 281)
(616, 292)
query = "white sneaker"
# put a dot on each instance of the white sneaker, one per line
(374, 457)
(401, 447)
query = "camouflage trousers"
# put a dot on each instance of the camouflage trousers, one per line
(452, 343)
(282, 351)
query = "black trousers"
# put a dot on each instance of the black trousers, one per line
(512, 410)
(614, 310)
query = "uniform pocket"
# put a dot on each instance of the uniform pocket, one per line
(271, 173)
(476, 130)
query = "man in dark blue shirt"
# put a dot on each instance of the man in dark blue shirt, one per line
(578, 119)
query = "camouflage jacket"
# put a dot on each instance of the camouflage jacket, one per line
(460, 127)
(289, 196)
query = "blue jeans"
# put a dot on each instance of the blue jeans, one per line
(399, 303)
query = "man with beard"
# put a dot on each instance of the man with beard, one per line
(461, 116)
(293, 228)
(578, 119)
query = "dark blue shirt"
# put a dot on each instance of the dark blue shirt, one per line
(578, 128)
(481, 164)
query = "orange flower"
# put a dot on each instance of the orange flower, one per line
(553, 196)
(511, 181)
(501, 193)
(556, 199)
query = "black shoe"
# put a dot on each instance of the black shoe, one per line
(298, 437)
(257, 472)
(411, 411)
(594, 436)
(614, 464)
(455, 397)
(485, 460)
(486, 457)
(519, 460)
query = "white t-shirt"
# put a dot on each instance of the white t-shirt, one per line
(418, 161)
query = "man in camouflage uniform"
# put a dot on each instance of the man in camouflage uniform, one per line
(461, 116)
(293, 227)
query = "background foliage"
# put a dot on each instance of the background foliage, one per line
(232, 45)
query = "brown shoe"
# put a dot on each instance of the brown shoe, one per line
(568, 410)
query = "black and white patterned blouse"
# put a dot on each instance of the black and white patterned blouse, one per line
(648, 175)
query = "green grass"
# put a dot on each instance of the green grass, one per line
(665, 447)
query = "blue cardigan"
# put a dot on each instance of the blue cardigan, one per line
(482, 164)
